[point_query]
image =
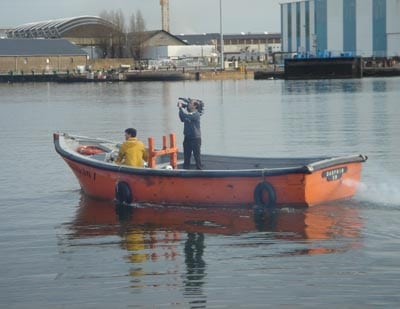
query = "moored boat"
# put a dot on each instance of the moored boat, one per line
(138, 76)
(225, 181)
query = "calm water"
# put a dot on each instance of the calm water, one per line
(60, 249)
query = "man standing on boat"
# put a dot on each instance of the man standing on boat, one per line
(189, 114)
(132, 152)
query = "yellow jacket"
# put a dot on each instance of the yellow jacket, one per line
(132, 152)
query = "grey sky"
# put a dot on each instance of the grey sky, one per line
(186, 16)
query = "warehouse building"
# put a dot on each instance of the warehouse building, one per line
(82, 30)
(366, 28)
(91, 33)
(30, 56)
(242, 46)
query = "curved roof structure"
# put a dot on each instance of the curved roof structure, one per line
(64, 27)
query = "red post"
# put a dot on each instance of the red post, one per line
(172, 151)
(152, 158)
(173, 157)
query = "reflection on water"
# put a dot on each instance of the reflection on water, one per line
(157, 257)
(195, 269)
(312, 87)
(329, 221)
(169, 237)
(320, 87)
(177, 248)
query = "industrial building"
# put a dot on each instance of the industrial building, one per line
(366, 28)
(32, 56)
(82, 30)
(241, 46)
(91, 33)
(100, 38)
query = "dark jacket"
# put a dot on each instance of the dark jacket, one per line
(191, 127)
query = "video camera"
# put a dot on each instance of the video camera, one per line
(200, 104)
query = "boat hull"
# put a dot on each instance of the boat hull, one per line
(291, 189)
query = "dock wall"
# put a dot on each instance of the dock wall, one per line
(323, 68)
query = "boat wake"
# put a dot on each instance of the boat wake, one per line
(380, 193)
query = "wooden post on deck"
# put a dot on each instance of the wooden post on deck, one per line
(152, 158)
(173, 159)
(172, 150)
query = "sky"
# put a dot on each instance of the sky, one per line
(186, 16)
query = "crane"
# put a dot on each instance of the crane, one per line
(165, 14)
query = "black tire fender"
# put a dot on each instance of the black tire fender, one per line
(123, 193)
(259, 192)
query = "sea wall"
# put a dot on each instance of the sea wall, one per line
(322, 68)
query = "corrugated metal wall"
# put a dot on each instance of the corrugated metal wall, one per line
(361, 27)
(393, 27)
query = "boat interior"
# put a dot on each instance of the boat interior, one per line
(109, 152)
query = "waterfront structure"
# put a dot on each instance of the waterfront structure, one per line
(83, 30)
(3, 33)
(241, 46)
(181, 54)
(33, 56)
(160, 47)
(101, 39)
(159, 38)
(93, 34)
(366, 28)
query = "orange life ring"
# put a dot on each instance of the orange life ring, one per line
(89, 150)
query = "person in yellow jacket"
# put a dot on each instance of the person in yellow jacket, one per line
(132, 152)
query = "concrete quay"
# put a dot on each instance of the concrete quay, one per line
(203, 74)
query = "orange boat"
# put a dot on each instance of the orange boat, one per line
(226, 180)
